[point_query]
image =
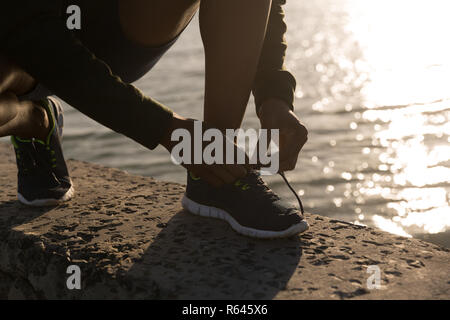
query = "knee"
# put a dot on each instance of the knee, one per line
(6, 70)
(13, 78)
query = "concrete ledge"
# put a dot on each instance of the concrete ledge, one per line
(131, 239)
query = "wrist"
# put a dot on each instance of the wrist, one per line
(175, 123)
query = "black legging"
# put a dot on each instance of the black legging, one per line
(102, 34)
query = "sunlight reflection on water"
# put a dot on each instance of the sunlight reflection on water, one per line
(409, 62)
(375, 75)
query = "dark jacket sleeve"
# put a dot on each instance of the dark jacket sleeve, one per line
(272, 80)
(34, 35)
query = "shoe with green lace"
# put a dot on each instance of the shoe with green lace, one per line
(49, 152)
(249, 206)
(36, 186)
(43, 178)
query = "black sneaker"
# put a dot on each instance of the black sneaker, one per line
(49, 152)
(43, 177)
(35, 185)
(249, 206)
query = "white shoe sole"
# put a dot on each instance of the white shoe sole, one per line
(47, 202)
(212, 212)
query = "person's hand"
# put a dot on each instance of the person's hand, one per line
(276, 114)
(214, 174)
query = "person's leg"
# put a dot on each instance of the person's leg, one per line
(24, 119)
(42, 176)
(154, 23)
(14, 79)
(233, 33)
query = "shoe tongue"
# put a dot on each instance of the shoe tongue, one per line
(39, 144)
(252, 177)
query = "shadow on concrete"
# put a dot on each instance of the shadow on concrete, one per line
(13, 213)
(190, 258)
(202, 258)
(22, 253)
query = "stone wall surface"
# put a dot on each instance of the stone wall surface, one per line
(131, 239)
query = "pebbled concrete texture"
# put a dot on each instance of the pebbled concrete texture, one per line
(131, 239)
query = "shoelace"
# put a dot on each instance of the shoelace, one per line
(272, 195)
(293, 191)
(51, 156)
(24, 160)
(47, 155)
